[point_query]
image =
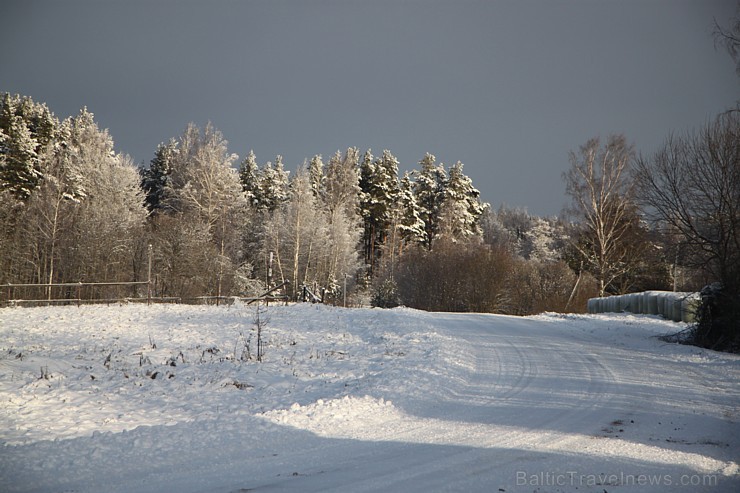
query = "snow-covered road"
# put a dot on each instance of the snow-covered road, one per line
(361, 400)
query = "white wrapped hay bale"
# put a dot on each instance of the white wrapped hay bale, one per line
(593, 305)
(651, 302)
(676, 299)
(661, 299)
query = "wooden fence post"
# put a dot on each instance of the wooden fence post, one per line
(149, 278)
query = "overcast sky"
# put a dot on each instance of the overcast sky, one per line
(506, 87)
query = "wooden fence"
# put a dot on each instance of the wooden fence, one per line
(74, 293)
(77, 293)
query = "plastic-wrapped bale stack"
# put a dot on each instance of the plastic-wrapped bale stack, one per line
(679, 307)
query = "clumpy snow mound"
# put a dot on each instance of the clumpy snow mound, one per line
(348, 417)
(172, 398)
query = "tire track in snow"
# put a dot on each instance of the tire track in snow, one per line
(545, 391)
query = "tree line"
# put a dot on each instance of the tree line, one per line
(73, 209)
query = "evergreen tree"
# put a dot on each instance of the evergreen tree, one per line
(378, 200)
(365, 206)
(461, 209)
(316, 175)
(154, 180)
(19, 169)
(26, 129)
(541, 239)
(273, 186)
(429, 189)
(38, 118)
(411, 226)
(249, 178)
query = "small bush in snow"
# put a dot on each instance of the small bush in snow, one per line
(386, 295)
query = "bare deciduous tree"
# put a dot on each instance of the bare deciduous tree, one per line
(601, 190)
(692, 185)
(729, 38)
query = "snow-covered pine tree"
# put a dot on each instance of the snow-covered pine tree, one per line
(19, 171)
(39, 119)
(461, 208)
(249, 179)
(405, 226)
(429, 189)
(365, 202)
(316, 175)
(26, 128)
(411, 226)
(282, 180)
(27, 134)
(379, 198)
(273, 185)
(154, 179)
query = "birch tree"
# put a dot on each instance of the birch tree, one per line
(340, 199)
(205, 186)
(109, 204)
(297, 234)
(602, 197)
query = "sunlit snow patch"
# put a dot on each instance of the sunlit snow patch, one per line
(372, 419)
(364, 418)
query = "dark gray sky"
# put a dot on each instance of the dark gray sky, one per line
(506, 87)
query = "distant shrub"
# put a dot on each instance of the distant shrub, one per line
(455, 277)
(538, 287)
(385, 294)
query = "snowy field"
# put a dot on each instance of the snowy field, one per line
(171, 399)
